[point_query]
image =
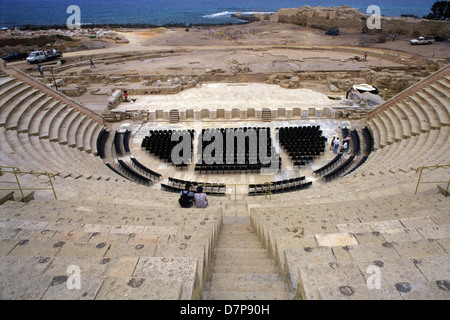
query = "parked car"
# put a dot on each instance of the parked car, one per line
(332, 32)
(440, 39)
(42, 56)
(422, 40)
(13, 56)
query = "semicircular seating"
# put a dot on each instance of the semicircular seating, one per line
(42, 134)
(131, 238)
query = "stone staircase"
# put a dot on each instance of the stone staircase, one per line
(243, 269)
(266, 115)
(174, 116)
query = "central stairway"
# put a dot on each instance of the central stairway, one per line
(242, 269)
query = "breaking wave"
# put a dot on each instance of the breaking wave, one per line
(229, 13)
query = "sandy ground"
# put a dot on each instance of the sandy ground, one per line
(265, 33)
(261, 47)
(267, 61)
(257, 34)
(255, 48)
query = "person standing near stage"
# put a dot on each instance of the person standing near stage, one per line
(336, 145)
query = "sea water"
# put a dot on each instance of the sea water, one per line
(165, 12)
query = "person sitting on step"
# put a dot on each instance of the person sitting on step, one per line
(200, 198)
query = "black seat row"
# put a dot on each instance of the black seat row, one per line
(360, 163)
(301, 159)
(126, 141)
(301, 130)
(356, 142)
(242, 160)
(133, 174)
(302, 143)
(182, 183)
(339, 170)
(169, 188)
(345, 132)
(368, 140)
(276, 187)
(142, 168)
(329, 165)
(226, 169)
(115, 170)
(117, 143)
(101, 141)
(177, 185)
(234, 168)
(159, 143)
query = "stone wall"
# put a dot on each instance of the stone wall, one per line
(394, 81)
(349, 19)
(115, 99)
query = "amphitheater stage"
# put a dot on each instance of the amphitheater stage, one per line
(231, 96)
(232, 105)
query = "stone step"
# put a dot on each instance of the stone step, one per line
(27, 196)
(6, 195)
(237, 295)
(8, 91)
(244, 286)
(237, 277)
(224, 261)
(93, 140)
(247, 269)
(14, 119)
(9, 110)
(236, 227)
(48, 117)
(238, 236)
(238, 253)
(77, 124)
(84, 130)
(239, 244)
(5, 81)
(26, 116)
(34, 122)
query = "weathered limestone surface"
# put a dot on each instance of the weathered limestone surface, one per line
(351, 20)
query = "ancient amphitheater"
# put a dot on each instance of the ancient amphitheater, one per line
(324, 226)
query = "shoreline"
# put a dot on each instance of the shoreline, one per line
(241, 18)
(122, 25)
(242, 21)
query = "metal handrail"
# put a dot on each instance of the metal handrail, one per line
(16, 171)
(429, 167)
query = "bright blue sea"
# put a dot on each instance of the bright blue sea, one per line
(161, 12)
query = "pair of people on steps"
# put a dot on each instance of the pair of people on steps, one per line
(188, 198)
